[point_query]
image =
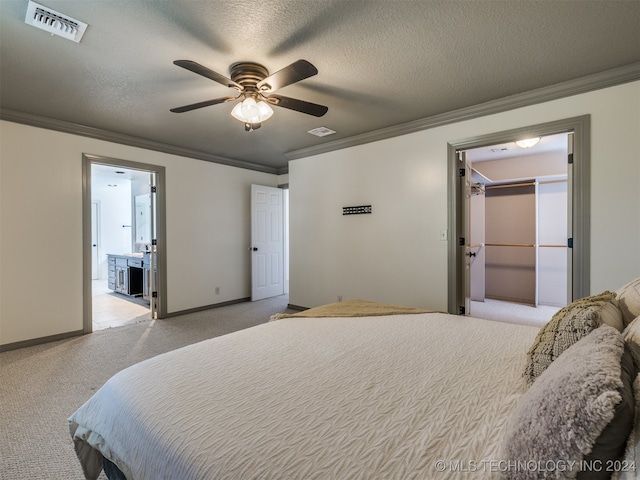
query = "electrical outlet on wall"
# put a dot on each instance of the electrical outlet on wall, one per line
(217, 290)
(443, 234)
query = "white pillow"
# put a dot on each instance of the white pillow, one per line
(629, 300)
(610, 314)
(632, 331)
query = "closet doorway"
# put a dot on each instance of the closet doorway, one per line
(518, 229)
(519, 244)
(124, 254)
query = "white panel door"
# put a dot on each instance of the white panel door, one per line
(464, 242)
(267, 242)
(95, 260)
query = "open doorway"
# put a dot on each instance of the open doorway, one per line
(462, 186)
(518, 229)
(124, 260)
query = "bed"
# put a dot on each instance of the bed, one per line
(367, 391)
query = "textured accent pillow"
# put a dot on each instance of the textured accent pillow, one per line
(559, 421)
(611, 443)
(629, 300)
(565, 328)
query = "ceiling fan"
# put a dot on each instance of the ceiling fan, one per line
(255, 87)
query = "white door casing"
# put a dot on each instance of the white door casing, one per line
(267, 242)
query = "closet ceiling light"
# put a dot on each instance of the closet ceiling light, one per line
(528, 142)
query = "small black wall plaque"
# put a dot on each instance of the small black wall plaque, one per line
(356, 210)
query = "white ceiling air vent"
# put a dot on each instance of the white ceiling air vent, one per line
(55, 23)
(321, 131)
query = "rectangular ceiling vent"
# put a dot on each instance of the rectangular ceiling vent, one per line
(55, 23)
(321, 131)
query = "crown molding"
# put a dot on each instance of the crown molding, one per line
(605, 79)
(597, 81)
(99, 134)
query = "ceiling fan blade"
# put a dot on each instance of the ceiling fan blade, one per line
(298, 105)
(293, 73)
(206, 103)
(208, 73)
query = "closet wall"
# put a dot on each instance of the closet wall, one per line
(553, 254)
(525, 242)
(510, 268)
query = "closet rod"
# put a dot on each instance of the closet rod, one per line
(547, 182)
(519, 245)
(509, 244)
(527, 184)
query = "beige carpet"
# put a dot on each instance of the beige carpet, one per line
(509, 312)
(41, 386)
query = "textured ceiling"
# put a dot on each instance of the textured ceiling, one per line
(381, 63)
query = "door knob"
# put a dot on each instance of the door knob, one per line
(255, 249)
(472, 254)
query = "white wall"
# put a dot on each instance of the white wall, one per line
(395, 255)
(208, 229)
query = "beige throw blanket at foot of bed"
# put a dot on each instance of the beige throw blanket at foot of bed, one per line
(352, 308)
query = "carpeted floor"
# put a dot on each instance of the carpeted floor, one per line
(41, 386)
(510, 312)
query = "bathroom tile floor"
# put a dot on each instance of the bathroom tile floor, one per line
(112, 309)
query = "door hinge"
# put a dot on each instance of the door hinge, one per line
(154, 189)
(570, 158)
(461, 310)
(570, 242)
(462, 172)
(461, 241)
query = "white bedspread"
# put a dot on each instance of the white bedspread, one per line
(344, 398)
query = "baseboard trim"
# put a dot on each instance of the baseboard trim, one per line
(296, 307)
(206, 307)
(39, 341)
(62, 336)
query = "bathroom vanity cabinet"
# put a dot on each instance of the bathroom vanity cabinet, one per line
(126, 274)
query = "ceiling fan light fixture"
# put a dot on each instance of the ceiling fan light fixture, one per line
(528, 142)
(250, 111)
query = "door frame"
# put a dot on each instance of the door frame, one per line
(579, 175)
(161, 233)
